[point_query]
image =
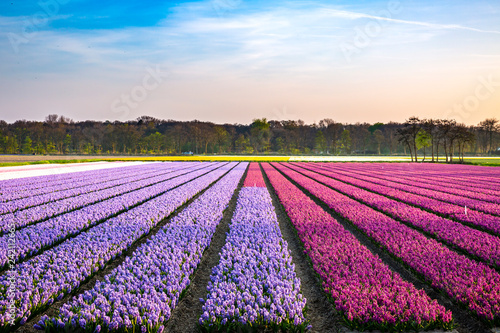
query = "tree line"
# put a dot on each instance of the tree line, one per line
(148, 135)
(453, 138)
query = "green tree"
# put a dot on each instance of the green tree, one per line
(222, 138)
(155, 142)
(345, 142)
(423, 140)
(67, 144)
(240, 143)
(39, 149)
(379, 138)
(248, 150)
(260, 134)
(280, 143)
(27, 148)
(51, 147)
(320, 142)
(490, 126)
(375, 127)
(11, 146)
(3, 144)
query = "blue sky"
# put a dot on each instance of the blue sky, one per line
(235, 60)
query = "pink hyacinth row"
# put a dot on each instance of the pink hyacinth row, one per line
(362, 287)
(471, 283)
(459, 213)
(479, 244)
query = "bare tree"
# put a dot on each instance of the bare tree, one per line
(445, 126)
(464, 136)
(404, 137)
(490, 126)
(430, 126)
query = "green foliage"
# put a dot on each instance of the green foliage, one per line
(67, 144)
(375, 127)
(155, 143)
(11, 146)
(27, 149)
(320, 142)
(260, 135)
(345, 142)
(423, 139)
(241, 143)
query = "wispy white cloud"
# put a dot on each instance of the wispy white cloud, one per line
(356, 15)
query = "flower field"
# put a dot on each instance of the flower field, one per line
(117, 249)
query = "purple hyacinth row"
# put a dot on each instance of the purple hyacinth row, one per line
(445, 184)
(478, 219)
(254, 283)
(141, 293)
(478, 243)
(38, 213)
(58, 271)
(106, 182)
(485, 207)
(472, 283)
(33, 183)
(34, 238)
(94, 177)
(365, 290)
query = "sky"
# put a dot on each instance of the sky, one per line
(231, 61)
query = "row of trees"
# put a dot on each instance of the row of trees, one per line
(148, 135)
(454, 138)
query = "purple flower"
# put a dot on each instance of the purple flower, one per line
(150, 281)
(255, 274)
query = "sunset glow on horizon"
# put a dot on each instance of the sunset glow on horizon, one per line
(230, 61)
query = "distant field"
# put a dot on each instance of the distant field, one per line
(488, 161)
